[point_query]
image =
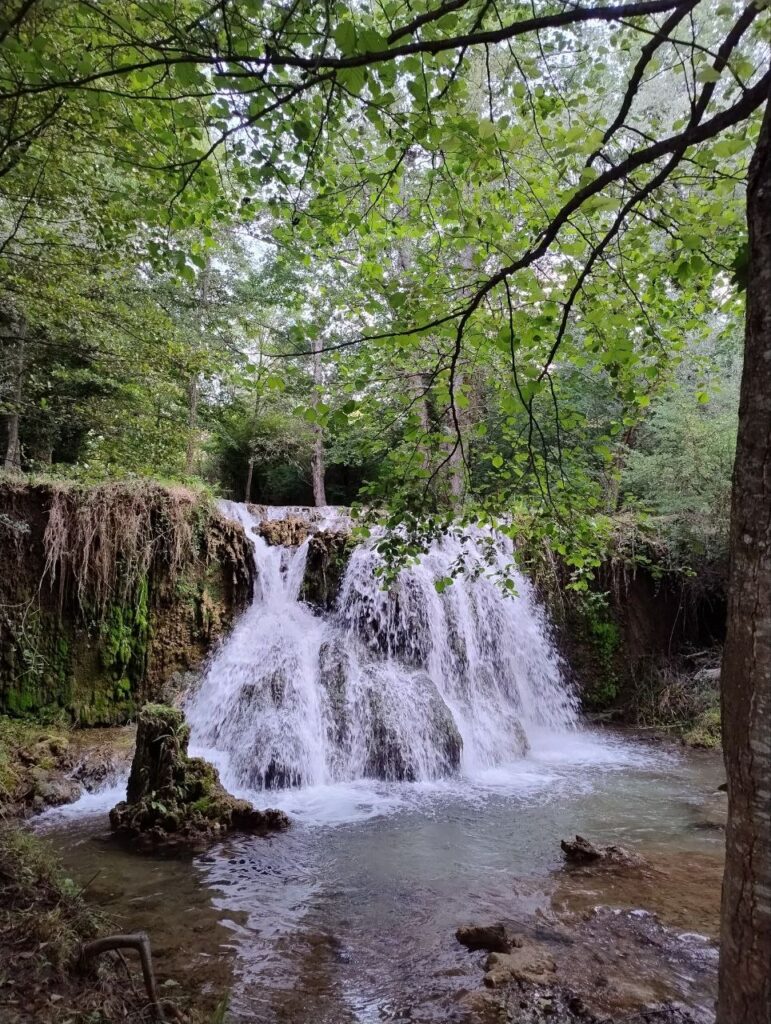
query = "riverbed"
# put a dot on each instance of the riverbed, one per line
(351, 914)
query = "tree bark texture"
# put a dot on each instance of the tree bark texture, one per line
(12, 459)
(193, 389)
(745, 950)
(318, 467)
(249, 475)
(192, 425)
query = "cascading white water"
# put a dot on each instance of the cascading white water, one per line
(408, 683)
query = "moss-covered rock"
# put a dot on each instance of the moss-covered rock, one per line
(35, 765)
(328, 554)
(88, 641)
(288, 532)
(175, 800)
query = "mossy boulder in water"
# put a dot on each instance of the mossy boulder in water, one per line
(176, 800)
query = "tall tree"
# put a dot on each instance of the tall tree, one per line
(745, 935)
(318, 464)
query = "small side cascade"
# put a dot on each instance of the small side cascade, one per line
(409, 684)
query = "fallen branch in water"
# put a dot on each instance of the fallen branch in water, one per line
(141, 943)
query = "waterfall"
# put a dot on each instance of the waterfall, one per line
(404, 684)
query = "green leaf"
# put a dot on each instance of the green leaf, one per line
(345, 37)
(707, 74)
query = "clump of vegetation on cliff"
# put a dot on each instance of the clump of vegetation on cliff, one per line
(110, 591)
(104, 540)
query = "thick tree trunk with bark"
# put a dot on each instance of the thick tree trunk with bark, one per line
(192, 425)
(12, 459)
(745, 950)
(318, 467)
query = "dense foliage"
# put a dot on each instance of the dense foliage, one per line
(511, 234)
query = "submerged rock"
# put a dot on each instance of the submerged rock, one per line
(581, 852)
(608, 967)
(529, 962)
(176, 800)
(491, 937)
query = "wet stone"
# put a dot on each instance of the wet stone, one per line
(491, 937)
(580, 851)
(529, 962)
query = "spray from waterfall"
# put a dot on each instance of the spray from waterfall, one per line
(405, 684)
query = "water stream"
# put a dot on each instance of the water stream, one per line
(431, 758)
(405, 684)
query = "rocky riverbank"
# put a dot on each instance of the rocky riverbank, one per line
(45, 766)
(575, 965)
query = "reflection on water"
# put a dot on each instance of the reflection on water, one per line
(351, 914)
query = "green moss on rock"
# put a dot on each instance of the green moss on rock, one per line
(177, 800)
(595, 651)
(68, 652)
(328, 555)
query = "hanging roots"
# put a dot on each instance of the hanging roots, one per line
(102, 541)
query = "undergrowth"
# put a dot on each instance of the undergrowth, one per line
(45, 919)
(41, 908)
(17, 736)
(683, 699)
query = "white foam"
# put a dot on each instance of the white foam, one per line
(400, 676)
(89, 805)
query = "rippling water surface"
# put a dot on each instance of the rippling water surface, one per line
(351, 914)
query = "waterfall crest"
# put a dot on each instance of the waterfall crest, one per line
(408, 684)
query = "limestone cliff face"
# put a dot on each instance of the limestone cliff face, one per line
(109, 593)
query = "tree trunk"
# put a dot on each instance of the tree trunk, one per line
(12, 460)
(192, 425)
(457, 465)
(745, 942)
(193, 388)
(318, 469)
(248, 488)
